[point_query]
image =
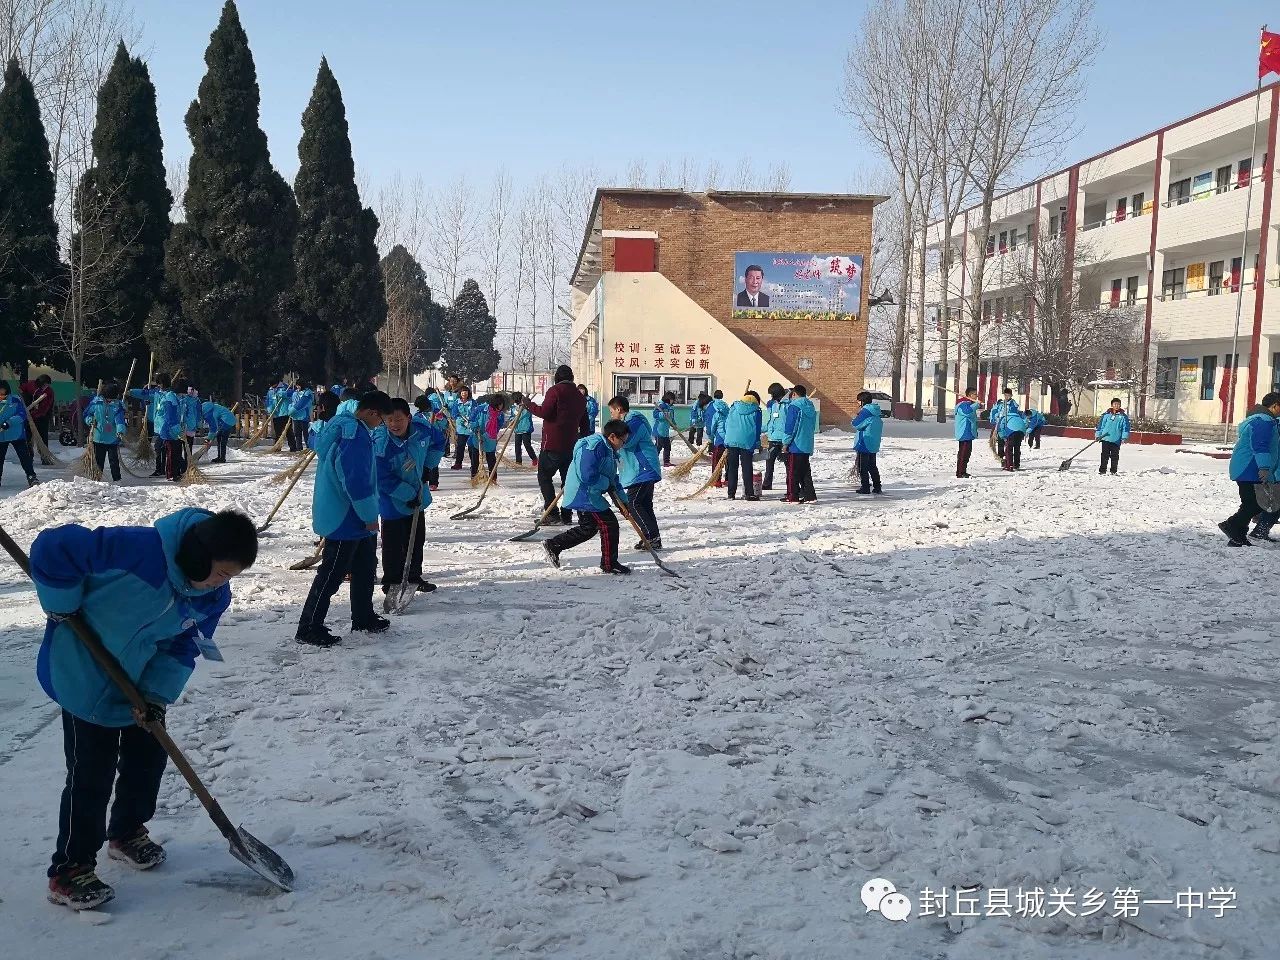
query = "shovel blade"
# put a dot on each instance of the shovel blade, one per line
(1066, 465)
(306, 564)
(400, 601)
(521, 537)
(261, 859)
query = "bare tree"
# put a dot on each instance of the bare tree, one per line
(1030, 58)
(637, 174)
(779, 179)
(712, 177)
(455, 226)
(496, 236)
(404, 214)
(744, 176)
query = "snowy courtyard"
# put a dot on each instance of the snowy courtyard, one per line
(1055, 690)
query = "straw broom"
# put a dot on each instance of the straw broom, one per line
(193, 474)
(87, 466)
(263, 427)
(715, 475)
(686, 468)
(482, 476)
(290, 471)
(508, 462)
(284, 435)
(46, 456)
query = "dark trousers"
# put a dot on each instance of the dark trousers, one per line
(641, 497)
(963, 454)
(1013, 450)
(431, 476)
(338, 558)
(23, 449)
(524, 441)
(297, 434)
(220, 441)
(460, 449)
(776, 452)
(868, 472)
(740, 461)
(695, 436)
(549, 464)
(1110, 455)
(42, 427)
(162, 454)
(1033, 439)
(108, 451)
(175, 458)
(491, 461)
(95, 755)
(800, 477)
(716, 453)
(664, 447)
(1238, 522)
(279, 425)
(590, 523)
(999, 445)
(395, 549)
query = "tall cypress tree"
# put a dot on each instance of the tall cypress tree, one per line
(468, 336)
(123, 205)
(233, 255)
(339, 284)
(28, 230)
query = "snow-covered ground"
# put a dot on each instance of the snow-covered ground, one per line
(1035, 681)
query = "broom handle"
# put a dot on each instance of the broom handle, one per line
(547, 512)
(311, 455)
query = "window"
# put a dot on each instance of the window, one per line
(1053, 225)
(675, 385)
(1235, 274)
(624, 386)
(1004, 240)
(986, 311)
(1131, 291)
(1215, 278)
(1208, 376)
(1180, 192)
(1116, 289)
(1166, 377)
(991, 245)
(1275, 372)
(1174, 286)
(1222, 179)
(1136, 207)
(1120, 208)
(1243, 171)
(650, 389)
(1013, 239)
(699, 385)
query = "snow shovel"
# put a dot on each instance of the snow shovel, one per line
(463, 514)
(538, 523)
(643, 539)
(1066, 464)
(398, 601)
(307, 458)
(306, 563)
(245, 847)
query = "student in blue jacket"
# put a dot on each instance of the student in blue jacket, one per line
(1113, 430)
(1255, 459)
(462, 427)
(348, 400)
(155, 394)
(191, 415)
(966, 424)
(663, 418)
(592, 474)
(638, 469)
(696, 413)
(593, 408)
(171, 430)
(344, 512)
(221, 421)
(1002, 409)
(713, 419)
(1035, 423)
(1012, 429)
(774, 418)
(400, 446)
(106, 415)
(488, 418)
(742, 430)
(800, 426)
(300, 405)
(14, 431)
(432, 417)
(279, 402)
(868, 428)
(326, 409)
(524, 429)
(154, 596)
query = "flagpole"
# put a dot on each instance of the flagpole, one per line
(1244, 246)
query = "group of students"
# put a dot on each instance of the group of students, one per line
(174, 412)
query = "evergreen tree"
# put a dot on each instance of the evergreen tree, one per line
(410, 339)
(179, 345)
(123, 208)
(468, 336)
(339, 278)
(233, 256)
(28, 231)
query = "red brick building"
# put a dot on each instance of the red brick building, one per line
(690, 240)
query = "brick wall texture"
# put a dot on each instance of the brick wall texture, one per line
(698, 235)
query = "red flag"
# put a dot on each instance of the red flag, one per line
(1269, 54)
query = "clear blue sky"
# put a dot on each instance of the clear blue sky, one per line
(444, 88)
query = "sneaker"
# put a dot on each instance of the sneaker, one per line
(434, 486)
(752, 499)
(376, 625)
(566, 517)
(863, 490)
(810, 499)
(618, 569)
(553, 555)
(1232, 539)
(33, 481)
(877, 490)
(139, 851)
(770, 487)
(79, 888)
(655, 544)
(733, 496)
(425, 587)
(455, 466)
(318, 637)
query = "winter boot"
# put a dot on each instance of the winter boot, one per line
(32, 481)
(618, 569)
(318, 637)
(553, 555)
(79, 888)
(1261, 532)
(139, 851)
(376, 625)
(863, 490)
(424, 586)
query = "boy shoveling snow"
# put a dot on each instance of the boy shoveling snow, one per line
(593, 473)
(154, 595)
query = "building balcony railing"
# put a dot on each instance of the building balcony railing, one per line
(1123, 303)
(1113, 218)
(1168, 296)
(1216, 191)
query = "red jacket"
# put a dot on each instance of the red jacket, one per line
(42, 404)
(564, 417)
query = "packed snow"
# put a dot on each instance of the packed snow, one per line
(1034, 681)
